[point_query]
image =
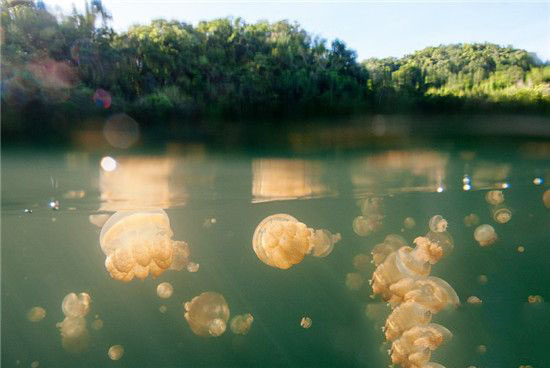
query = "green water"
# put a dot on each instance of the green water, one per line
(49, 253)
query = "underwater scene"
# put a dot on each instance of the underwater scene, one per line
(418, 256)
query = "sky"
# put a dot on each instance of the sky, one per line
(371, 28)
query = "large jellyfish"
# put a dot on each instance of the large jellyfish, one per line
(207, 314)
(281, 241)
(414, 348)
(139, 243)
(485, 235)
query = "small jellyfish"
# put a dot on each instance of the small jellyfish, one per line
(192, 267)
(240, 324)
(163, 309)
(74, 334)
(306, 322)
(438, 224)
(97, 324)
(361, 262)
(116, 352)
(471, 220)
(281, 241)
(482, 279)
(501, 214)
(139, 243)
(354, 281)
(546, 198)
(521, 249)
(207, 314)
(164, 290)
(76, 306)
(98, 220)
(365, 225)
(409, 223)
(35, 364)
(534, 299)
(494, 197)
(474, 300)
(485, 235)
(482, 349)
(36, 314)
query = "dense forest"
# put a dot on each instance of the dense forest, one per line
(62, 69)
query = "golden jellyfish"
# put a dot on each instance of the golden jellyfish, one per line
(494, 197)
(485, 235)
(546, 198)
(471, 220)
(35, 364)
(534, 299)
(482, 349)
(163, 309)
(391, 243)
(365, 225)
(76, 305)
(354, 281)
(116, 352)
(139, 243)
(281, 241)
(404, 317)
(207, 314)
(165, 290)
(438, 224)
(97, 324)
(501, 214)
(482, 279)
(36, 314)
(409, 223)
(521, 249)
(474, 300)
(415, 346)
(306, 322)
(192, 267)
(240, 324)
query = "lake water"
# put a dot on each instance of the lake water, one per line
(215, 201)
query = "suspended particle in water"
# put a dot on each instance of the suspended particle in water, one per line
(494, 197)
(209, 222)
(281, 241)
(361, 262)
(502, 214)
(534, 299)
(240, 324)
(102, 98)
(354, 281)
(409, 223)
(306, 322)
(471, 220)
(165, 290)
(546, 198)
(538, 181)
(54, 205)
(192, 267)
(485, 235)
(76, 305)
(97, 324)
(28, 210)
(438, 224)
(35, 364)
(207, 314)
(36, 314)
(521, 249)
(482, 349)
(474, 300)
(163, 309)
(108, 163)
(482, 279)
(115, 352)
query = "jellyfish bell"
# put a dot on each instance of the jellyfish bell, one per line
(485, 235)
(406, 316)
(438, 224)
(137, 243)
(207, 314)
(414, 347)
(281, 241)
(433, 293)
(36, 314)
(306, 322)
(501, 214)
(76, 305)
(115, 352)
(240, 324)
(494, 197)
(164, 290)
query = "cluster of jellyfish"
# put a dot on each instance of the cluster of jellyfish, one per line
(402, 279)
(282, 241)
(74, 331)
(500, 212)
(371, 219)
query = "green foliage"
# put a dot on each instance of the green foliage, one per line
(170, 70)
